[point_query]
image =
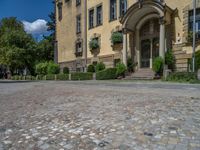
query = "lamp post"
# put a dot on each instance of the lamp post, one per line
(194, 35)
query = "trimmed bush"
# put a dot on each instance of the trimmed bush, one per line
(50, 77)
(65, 70)
(40, 77)
(121, 69)
(158, 65)
(116, 37)
(41, 68)
(94, 44)
(130, 65)
(81, 76)
(100, 66)
(182, 77)
(53, 68)
(62, 76)
(106, 74)
(28, 77)
(91, 68)
(197, 61)
(170, 59)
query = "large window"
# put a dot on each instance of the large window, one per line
(113, 10)
(123, 7)
(197, 22)
(99, 15)
(78, 24)
(78, 51)
(91, 18)
(78, 2)
(59, 5)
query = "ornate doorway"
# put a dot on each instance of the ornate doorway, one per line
(149, 42)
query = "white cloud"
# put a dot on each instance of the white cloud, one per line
(37, 27)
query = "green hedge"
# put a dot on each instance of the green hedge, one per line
(40, 77)
(106, 74)
(62, 77)
(50, 77)
(17, 77)
(182, 77)
(81, 76)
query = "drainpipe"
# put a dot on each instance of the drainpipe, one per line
(85, 28)
(194, 35)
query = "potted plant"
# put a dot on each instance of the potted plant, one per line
(117, 40)
(158, 64)
(94, 46)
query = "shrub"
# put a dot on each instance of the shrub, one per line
(81, 76)
(91, 68)
(158, 65)
(62, 76)
(66, 70)
(28, 77)
(116, 37)
(130, 65)
(121, 69)
(106, 74)
(50, 77)
(41, 68)
(170, 59)
(53, 68)
(40, 77)
(100, 66)
(94, 44)
(182, 77)
(197, 60)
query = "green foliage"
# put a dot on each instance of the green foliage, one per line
(106, 74)
(81, 76)
(50, 77)
(130, 65)
(17, 77)
(62, 77)
(53, 68)
(94, 44)
(40, 77)
(66, 70)
(17, 48)
(182, 77)
(121, 69)
(91, 68)
(100, 66)
(116, 37)
(41, 68)
(170, 59)
(158, 65)
(197, 61)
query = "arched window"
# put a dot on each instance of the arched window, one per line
(123, 7)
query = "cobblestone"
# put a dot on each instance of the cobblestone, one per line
(99, 116)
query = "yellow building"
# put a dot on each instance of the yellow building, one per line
(140, 30)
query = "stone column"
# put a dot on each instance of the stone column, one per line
(162, 38)
(124, 53)
(151, 54)
(137, 48)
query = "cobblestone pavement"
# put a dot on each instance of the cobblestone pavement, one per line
(99, 116)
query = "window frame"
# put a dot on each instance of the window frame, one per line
(89, 18)
(97, 15)
(78, 24)
(122, 10)
(113, 15)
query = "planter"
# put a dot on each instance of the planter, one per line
(117, 47)
(95, 52)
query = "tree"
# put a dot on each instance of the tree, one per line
(17, 48)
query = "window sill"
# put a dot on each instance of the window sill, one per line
(99, 25)
(111, 20)
(90, 28)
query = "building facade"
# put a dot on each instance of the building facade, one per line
(85, 32)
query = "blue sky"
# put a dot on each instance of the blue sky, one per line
(33, 13)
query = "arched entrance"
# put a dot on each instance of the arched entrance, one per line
(149, 42)
(145, 24)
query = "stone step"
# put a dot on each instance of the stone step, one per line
(183, 56)
(142, 74)
(181, 65)
(179, 52)
(181, 61)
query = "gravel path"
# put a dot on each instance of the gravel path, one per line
(107, 115)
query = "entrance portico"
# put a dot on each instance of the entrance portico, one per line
(146, 21)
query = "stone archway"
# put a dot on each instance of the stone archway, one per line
(136, 16)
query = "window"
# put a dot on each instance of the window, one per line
(99, 15)
(123, 7)
(197, 22)
(91, 18)
(78, 24)
(78, 2)
(113, 8)
(59, 5)
(78, 51)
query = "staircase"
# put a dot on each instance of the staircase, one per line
(142, 74)
(181, 58)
